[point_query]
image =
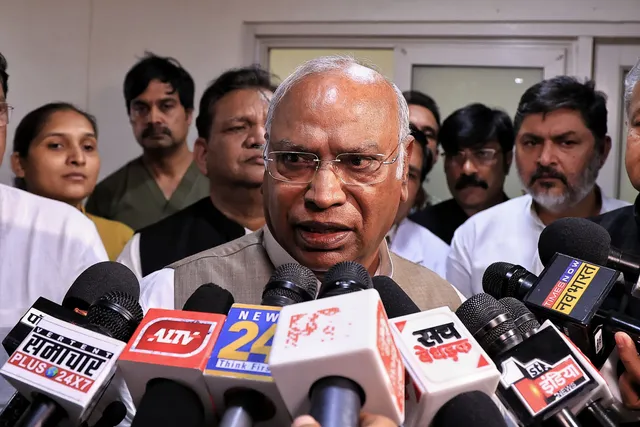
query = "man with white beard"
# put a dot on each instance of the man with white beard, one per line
(561, 144)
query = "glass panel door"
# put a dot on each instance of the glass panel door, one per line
(494, 72)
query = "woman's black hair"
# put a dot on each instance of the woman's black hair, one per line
(33, 123)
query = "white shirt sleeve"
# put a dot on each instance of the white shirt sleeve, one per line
(156, 290)
(459, 264)
(130, 256)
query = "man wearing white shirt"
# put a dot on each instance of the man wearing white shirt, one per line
(232, 114)
(406, 238)
(44, 246)
(561, 144)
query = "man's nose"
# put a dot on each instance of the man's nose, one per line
(547, 154)
(325, 190)
(468, 167)
(255, 138)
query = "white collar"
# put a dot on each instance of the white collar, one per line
(279, 256)
(604, 207)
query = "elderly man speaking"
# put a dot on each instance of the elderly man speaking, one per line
(336, 165)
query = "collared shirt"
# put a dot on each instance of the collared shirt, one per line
(417, 244)
(194, 229)
(444, 218)
(132, 196)
(44, 246)
(507, 232)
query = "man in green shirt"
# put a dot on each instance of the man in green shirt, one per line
(159, 98)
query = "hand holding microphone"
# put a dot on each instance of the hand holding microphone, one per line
(630, 379)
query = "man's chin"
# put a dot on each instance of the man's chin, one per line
(319, 261)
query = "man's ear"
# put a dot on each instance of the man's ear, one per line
(189, 112)
(16, 165)
(606, 148)
(408, 147)
(200, 152)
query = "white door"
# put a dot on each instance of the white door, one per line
(612, 63)
(495, 73)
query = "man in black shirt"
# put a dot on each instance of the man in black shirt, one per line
(624, 227)
(478, 146)
(231, 120)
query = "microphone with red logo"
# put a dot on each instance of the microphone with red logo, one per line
(543, 377)
(237, 374)
(594, 402)
(162, 363)
(336, 355)
(443, 360)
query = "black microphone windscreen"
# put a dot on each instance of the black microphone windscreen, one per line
(522, 316)
(169, 404)
(473, 408)
(297, 274)
(99, 279)
(117, 312)
(478, 312)
(210, 298)
(395, 301)
(494, 277)
(345, 277)
(575, 237)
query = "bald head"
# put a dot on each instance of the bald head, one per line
(353, 77)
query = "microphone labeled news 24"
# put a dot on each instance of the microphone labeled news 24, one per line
(171, 344)
(443, 360)
(570, 291)
(67, 363)
(239, 361)
(346, 336)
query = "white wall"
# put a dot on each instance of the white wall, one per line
(80, 50)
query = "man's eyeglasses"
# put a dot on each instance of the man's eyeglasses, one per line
(479, 157)
(351, 168)
(5, 113)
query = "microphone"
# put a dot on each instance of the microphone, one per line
(571, 293)
(237, 373)
(162, 363)
(396, 302)
(65, 368)
(442, 359)
(91, 284)
(581, 238)
(343, 278)
(112, 415)
(523, 318)
(473, 408)
(335, 355)
(502, 279)
(541, 377)
(528, 325)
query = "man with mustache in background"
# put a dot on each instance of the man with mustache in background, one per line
(159, 96)
(478, 144)
(561, 144)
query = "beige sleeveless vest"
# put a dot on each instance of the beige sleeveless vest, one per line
(243, 268)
